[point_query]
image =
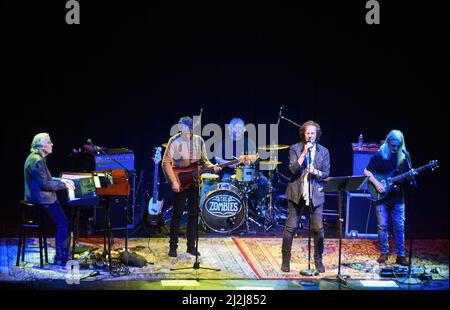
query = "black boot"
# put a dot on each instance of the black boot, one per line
(286, 251)
(192, 251)
(318, 263)
(318, 250)
(286, 262)
(173, 251)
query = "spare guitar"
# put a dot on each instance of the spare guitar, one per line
(153, 216)
(389, 180)
(187, 177)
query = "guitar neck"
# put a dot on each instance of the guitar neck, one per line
(155, 182)
(406, 174)
(221, 166)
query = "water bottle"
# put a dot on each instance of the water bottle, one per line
(360, 141)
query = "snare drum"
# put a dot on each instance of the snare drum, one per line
(222, 208)
(209, 179)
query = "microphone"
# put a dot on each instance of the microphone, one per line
(89, 141)
(312, 144)
(279, 114)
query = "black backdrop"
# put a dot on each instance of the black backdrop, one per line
(130, 70)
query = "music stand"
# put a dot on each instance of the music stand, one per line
(196, 265)
(342, 185)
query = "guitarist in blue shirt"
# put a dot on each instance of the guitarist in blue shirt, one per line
(392, 159)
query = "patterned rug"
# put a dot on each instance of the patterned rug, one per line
(220, 253)
(358, 258)
(237, 258)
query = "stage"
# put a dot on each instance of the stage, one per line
(244, 263)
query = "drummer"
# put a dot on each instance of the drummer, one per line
(238, 144)
(235, 144)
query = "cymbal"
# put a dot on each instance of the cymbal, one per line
(164, 145)
(273, 147)
(270, 162)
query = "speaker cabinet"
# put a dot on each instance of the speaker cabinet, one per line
(360, 217)
(119, 206)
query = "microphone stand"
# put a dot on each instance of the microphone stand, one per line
(310, 271)
(196, 265)
(128, 173)
(408, 280)
(290, 121)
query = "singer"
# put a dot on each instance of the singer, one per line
(307, 159)
(40, 188)
(391, 157)
(184, 149)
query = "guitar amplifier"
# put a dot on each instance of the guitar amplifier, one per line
(360, 217)
(361, 159)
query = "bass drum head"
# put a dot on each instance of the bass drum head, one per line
(222, 208)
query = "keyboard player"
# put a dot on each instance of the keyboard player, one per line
(41, 187)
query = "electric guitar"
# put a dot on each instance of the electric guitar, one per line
(187, 177)
(389, 180)
(153, 215)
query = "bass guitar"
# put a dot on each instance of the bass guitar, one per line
(153, 215)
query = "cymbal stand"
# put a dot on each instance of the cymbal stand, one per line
(271, 218)
(245, 203)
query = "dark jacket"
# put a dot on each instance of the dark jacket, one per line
(39, 185)
(321, 162)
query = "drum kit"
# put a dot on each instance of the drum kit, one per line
(227, 206)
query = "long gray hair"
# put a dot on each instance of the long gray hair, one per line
(385, 151)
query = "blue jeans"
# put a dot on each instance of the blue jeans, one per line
(397, 213)
(58, 217)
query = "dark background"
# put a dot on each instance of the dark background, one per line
(130, 70)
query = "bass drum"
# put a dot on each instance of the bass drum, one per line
(222, 208)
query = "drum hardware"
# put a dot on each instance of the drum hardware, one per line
(271, 219)
(247, 189)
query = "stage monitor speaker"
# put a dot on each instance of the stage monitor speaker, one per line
(360, 217)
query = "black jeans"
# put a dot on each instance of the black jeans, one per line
(294, 217)
(179, 203)
(56, 213)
